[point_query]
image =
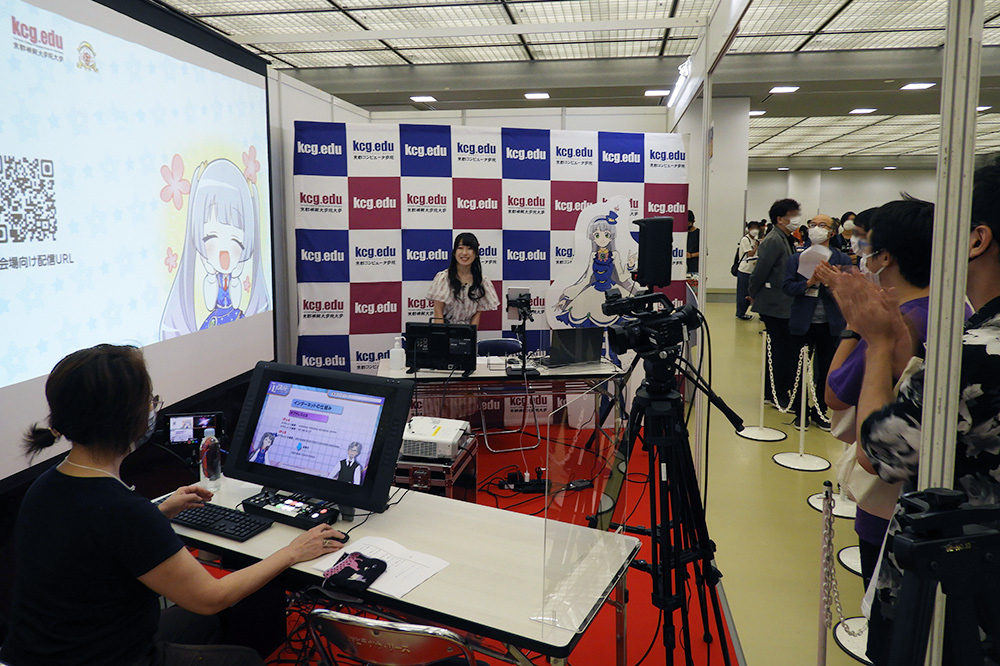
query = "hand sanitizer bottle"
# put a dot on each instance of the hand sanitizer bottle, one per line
(397, 356)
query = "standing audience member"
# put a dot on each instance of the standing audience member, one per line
(890, 426)
(842, 240)
(859, 235)
(770, 301)
(748, 259)
(693, 245)
(815, 320)
(903, 236)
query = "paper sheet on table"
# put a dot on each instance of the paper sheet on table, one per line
(812, 257)
(405, 569)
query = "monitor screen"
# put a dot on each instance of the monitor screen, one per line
(440, 346)
(333, 435)
(188, 428)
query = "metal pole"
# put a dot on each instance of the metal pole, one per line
(763, 381)
(804, 361)
(701, 402)
(949, 265)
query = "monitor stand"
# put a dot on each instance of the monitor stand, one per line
(346, 512)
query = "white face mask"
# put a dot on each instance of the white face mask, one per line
(818, 235)
(849, 225)
(754, 233)
(871, 276)
(793, 220)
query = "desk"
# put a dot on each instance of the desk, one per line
(490, 380)
(496, 574)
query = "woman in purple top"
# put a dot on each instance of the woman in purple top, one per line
(901, 236)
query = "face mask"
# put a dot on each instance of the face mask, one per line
(818, 235)
(872, 277)
(150, 427)
(754, 233)
(849, 225)
(793, 220)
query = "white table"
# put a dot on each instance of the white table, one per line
(497, 568)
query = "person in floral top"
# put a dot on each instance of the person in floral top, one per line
(889, 426)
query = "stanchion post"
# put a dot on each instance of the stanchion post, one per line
(761, 433)
(803, 402)
(823, 601)
(763, 372)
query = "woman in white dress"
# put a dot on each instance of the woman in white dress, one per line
(460, 292)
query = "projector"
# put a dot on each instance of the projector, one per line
(429, 437)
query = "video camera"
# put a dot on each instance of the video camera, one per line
(654, 330)
(658, 326)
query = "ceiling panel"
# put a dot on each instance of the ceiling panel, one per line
(391, 4)
(890, 14)
(343, 59)
(305, 47)
(589, 10)
(598, 35)
(439, 42)
(596, 50)
(431, 17)
(469, 54)
(860, 41)
(991, 36)
(247, 6)
(841, 121)
(679, 47)
(693, 7)
(284, 23)
(780, 16)
(764, 121)
(769, 44)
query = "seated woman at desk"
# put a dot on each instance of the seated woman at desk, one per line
(92, 556)
(460, 292)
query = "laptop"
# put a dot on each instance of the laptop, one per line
(575, 345)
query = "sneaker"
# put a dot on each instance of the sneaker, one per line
(795, 422)
(745, 317)
(823, 424)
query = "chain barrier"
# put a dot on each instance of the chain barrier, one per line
(830, 591)
(770, 372)
(810, 385)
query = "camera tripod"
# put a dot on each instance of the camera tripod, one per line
(679, 533)
(944, 541)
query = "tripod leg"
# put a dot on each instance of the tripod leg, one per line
(961, 629)
(912, 624)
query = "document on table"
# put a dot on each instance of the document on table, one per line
(405, 569)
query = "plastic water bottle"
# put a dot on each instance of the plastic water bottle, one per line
(211, 461)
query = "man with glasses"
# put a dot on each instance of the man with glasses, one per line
(815, 320)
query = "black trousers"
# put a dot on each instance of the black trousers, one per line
(784, 357)
(187, 639)
(822, 346)
(742, 291)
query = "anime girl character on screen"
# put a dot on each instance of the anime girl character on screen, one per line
(221, 247)
(579, 303)
(260, 453)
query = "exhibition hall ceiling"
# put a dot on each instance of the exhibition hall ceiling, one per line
(843, 54)
(770, 26)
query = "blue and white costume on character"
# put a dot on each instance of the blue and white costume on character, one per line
(579, 305)
(224, 311)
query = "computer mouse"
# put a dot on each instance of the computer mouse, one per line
(341, 539)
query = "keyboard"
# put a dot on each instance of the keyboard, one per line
(223, 521)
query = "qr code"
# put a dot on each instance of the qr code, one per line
(27, 199)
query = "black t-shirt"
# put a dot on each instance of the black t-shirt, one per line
(81, 543)
(693, 246)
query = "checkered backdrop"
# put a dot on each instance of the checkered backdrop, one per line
(378, 207)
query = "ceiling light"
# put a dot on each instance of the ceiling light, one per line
(983, 108)
(863, 111)
(757, 113)
(422, 99)
(782, 168)
(783, 89)
(918, 86)
(538, 95)
(657, 93)
(889, 168)
(836, 168)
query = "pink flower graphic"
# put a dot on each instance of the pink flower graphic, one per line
(246, 283)
(251, 164)
(177, 186)
(171, 261)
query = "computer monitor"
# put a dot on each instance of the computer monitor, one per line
(331, 435)
(441, 347)
(189, 428)
(575, 345)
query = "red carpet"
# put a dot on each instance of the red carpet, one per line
(566, 445)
